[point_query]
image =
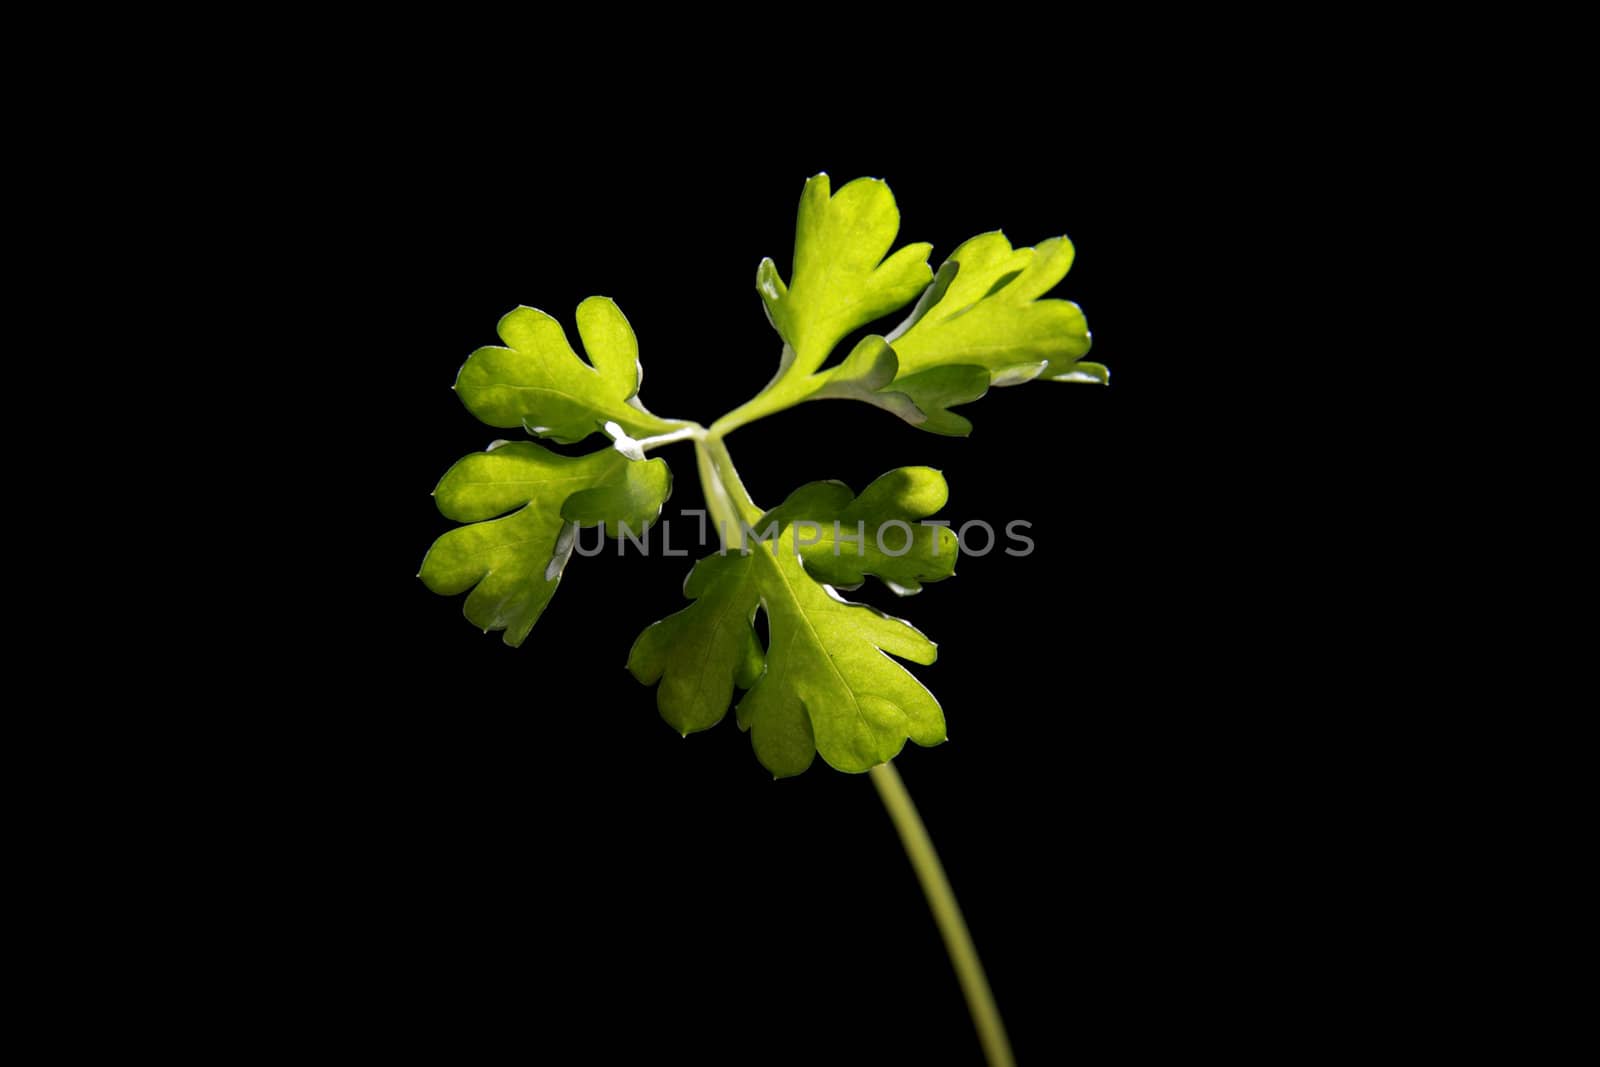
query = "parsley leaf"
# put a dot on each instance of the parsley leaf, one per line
(539, 383)
(840, 279)
(824, 684)
(989, 314)
(978, 322)
(846, 537)
(828, 688)
(701, 652)
(513, 564)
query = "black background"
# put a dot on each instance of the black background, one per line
(483, 844)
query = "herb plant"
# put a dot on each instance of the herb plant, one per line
(822, 683)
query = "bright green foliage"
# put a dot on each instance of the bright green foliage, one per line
(700, 653)
(842, 537)
(931, 393)
(513, 564)
(826, 682)
(978, 322)
(826, 686)
(990, 315)
(984, 312)
(841, 280)
(540, 384)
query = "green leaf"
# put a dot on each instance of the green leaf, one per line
(828, 688)
(824, 685)
(842, 537)
(512, 565)
(934, 391)
(539, 383)
(978, 323)
(700, 653)
(869, 367)
(840, 279)
(990, 315)
(632, 498)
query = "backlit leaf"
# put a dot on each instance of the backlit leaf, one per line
(537, 382)
(512, 565)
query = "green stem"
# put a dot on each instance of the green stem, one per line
(758, 407)
(748, 509)
(947, 913)
(726, 498)
(783, 392)
(732, 509)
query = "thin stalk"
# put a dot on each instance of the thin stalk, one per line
(947, 913)
(724, 513)
(780, 393)
(757, 407)
(747, 508)
(726, 499)
(731, 508)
